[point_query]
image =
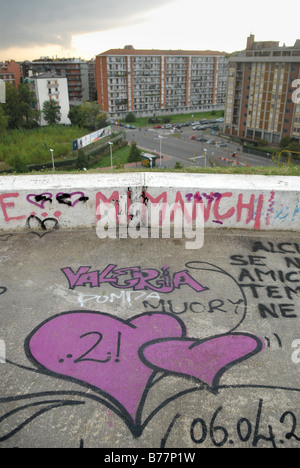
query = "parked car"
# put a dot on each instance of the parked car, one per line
(211, 142)
(223, 145)
(157, 126)
(193, 137)
(201, 139)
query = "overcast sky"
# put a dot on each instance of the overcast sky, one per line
(84, 28)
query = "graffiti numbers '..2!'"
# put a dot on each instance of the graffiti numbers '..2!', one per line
(84, 357)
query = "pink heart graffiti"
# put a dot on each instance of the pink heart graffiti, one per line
(39, 200)
(119, 359)
(205, 361)
(65, 198)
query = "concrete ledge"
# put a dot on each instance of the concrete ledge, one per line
(50, 202)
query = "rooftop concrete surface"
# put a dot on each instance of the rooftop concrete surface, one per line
(143, 344)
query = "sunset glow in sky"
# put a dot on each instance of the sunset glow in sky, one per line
(30, 29)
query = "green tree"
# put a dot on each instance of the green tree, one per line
(27, 102)
(82, 160)
(12, 107)
(19, 107)
(285, 141)
(130, 118)
(88, 115)
(3, 121)
(51, 112)
(135, 154)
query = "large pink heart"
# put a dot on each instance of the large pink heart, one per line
(205, 360)
(101, 351)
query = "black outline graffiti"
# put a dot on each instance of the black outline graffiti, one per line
(42, 225)
(3, 290)
(5, 237)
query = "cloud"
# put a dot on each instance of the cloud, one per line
(26, 23)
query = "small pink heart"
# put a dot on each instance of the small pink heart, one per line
(205, 360)
(39, 200)
(65, 198)
(101, 352)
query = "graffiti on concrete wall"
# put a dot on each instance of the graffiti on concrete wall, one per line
(220, 208)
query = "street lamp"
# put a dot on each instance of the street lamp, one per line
(160, 137)
(52, 151)
(111, 159)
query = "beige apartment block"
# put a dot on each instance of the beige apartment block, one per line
(261, 92)
(158, 82)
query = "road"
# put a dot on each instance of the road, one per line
(183, 149)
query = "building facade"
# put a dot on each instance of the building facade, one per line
(156, 82)
(47, 87)
(260, 101)
(75, 70)
(10, 72)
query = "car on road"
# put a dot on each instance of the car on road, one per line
(201, 139)
(193, 137)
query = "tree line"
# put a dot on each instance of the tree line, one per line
(20, 111)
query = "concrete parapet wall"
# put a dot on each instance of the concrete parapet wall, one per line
(50, 202)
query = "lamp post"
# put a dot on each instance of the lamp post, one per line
(111, 159)
(52, 151)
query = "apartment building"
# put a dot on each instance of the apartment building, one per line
(47, 87)
(260, 100)
(10, 72)
(158, 82)
(75, 70)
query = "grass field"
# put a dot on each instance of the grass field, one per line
(33, 146)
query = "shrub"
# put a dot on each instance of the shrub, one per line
(82, 160)
(130, 117)
(18, 164)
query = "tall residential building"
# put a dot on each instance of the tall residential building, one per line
(48, 87)
(260, 101)
(160, 82)
(75, 70)
(10, 72)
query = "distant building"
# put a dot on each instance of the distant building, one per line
(260, 103)
(160, 82)
(47, 87)
(75, 70)
(10, 72)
